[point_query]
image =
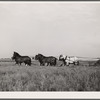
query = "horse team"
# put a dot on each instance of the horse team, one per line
(43, 60)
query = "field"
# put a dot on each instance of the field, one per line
(84, 77)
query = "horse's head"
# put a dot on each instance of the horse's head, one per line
(36, 57)
(62, 57)
(15, 54)
(66, 57)
(39, 56)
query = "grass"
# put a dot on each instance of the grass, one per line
(47, 78)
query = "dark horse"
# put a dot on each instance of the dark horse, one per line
(21, 59)
(46, 60)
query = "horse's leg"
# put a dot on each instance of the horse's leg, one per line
(25, 64)
(77, 62)
(29, 64)
(41, 64)
(54, 63)
(64, 63)
(19, 63)
(74, 63)
(61, 64)
(51, 64)
(47, 64)
(67, 63)
(16, 63)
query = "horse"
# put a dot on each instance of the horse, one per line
(21, 59)
(46, 60)
(71, 60)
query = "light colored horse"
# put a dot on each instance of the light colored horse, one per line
(71, 60)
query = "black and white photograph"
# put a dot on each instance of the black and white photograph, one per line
(49, 46)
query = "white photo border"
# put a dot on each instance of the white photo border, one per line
(50, 95)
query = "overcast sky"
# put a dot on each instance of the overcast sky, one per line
(50, 28)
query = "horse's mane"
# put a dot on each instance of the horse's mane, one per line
(15, 53)
(41, 55)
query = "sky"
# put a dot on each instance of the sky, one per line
(50, 28)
